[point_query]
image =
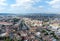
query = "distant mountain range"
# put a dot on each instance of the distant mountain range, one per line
(31, 14)
(7, 14)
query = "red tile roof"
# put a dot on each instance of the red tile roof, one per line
(5, 23)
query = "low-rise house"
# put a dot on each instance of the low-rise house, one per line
(54, 26)
(5, 23)
(4, 34)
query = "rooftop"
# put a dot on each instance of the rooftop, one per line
(5, 23)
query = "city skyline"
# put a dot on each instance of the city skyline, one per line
(29, 6)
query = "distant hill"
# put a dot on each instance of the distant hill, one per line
(43, 14)
(31, 14)
(7, 14)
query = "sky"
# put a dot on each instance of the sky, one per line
(30, 6)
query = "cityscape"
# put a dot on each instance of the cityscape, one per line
(29, 20)
(29, 28)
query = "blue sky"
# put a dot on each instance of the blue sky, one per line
(30, 6)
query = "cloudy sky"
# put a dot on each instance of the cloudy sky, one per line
(29, 6)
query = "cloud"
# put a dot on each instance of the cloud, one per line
(25, 6)
(54, 4)
(30, 6)
(24, 3)
(3, 5)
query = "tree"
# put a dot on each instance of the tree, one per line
(43, 31)
(7, 39)
(16, 19)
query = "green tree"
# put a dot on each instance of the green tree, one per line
(7, 39)
(43, 31)
(15, 19)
